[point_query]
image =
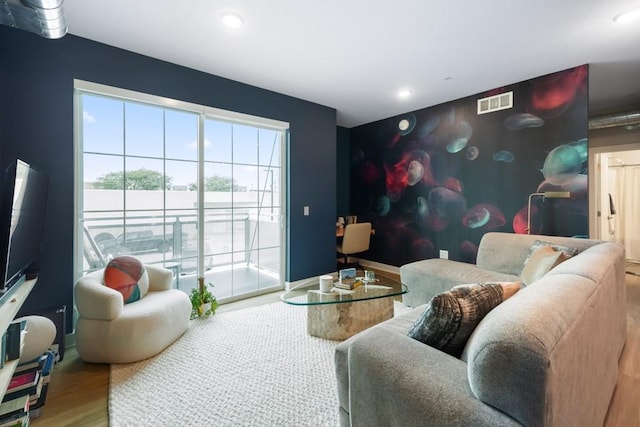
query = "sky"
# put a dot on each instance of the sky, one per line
(115, 132)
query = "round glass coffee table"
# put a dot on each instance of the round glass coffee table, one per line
(340, 313)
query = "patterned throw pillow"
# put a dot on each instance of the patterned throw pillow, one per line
(128, 276)
(540, 263)
(451, 317)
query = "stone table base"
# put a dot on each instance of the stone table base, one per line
(340, 321)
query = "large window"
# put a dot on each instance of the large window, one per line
(193, 189)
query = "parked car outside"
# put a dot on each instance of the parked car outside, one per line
(133, 242)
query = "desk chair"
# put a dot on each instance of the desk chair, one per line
(356, 239)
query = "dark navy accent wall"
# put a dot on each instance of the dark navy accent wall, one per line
(343, 172)
(36, 124)
(312, 183)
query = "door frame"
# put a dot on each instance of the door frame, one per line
(598, 180)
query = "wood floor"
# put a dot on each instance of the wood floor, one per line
(78, 392)
(624, 409)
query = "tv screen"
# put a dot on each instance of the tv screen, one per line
(22, 216)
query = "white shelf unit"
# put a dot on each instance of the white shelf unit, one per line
(9, 306)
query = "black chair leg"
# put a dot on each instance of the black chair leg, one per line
(345, 263)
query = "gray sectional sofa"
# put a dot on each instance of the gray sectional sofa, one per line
(547, 356)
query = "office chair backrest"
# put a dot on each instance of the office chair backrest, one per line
(356, 238)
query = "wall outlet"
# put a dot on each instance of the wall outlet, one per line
(306, 211)
(444, 254)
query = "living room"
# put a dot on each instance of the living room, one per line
(38, 126)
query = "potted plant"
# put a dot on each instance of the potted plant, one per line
(203, 302)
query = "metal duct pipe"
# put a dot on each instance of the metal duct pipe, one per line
(43, 17)
(630, 118)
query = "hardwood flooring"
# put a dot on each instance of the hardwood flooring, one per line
(624, 409)
(78, 392)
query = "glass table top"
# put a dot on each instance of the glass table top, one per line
(311, 295)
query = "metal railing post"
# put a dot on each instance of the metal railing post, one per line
(177, 239)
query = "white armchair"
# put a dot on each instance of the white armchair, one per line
(109, 331)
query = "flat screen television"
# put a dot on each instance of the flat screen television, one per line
(22, 216)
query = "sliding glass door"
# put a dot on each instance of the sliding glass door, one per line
(242, 207)
(190, 188)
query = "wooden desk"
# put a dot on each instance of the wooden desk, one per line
(340, 231)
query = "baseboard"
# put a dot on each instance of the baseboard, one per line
(302, 283)
(379, 266)
(314, 281)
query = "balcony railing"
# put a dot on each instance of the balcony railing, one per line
(230, 241)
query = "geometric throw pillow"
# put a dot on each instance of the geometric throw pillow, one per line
(127, 275)
(540, 263)
(451, 317)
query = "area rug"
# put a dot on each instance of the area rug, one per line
(251, 367)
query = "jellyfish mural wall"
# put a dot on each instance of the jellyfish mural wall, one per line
(442, 177)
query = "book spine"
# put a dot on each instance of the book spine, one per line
(13, 341)
(3, 349)
(41, 399)
(18, 421)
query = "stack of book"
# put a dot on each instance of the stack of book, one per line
(45, 371)
(30, 380)
(15, 412)
(347, 279)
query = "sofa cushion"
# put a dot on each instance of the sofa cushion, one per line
(127, 275)
(450, 317)
(506, 252)
(427, 278)
(540, 263)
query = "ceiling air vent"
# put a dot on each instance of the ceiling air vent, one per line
(493, 103)
(43, 17)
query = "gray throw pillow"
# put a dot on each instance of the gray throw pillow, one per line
(451, 317)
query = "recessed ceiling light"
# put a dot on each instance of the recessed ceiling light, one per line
(232, 20)
(403, 93)
(627, 16)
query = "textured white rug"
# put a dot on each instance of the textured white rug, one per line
(250, 367)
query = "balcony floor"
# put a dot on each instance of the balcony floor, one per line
(232, 281)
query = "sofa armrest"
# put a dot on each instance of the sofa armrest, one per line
(97, 301)
(396, 380)
(160, 278)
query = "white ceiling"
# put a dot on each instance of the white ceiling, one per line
(353, 55)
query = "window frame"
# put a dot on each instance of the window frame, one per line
(204, 113)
